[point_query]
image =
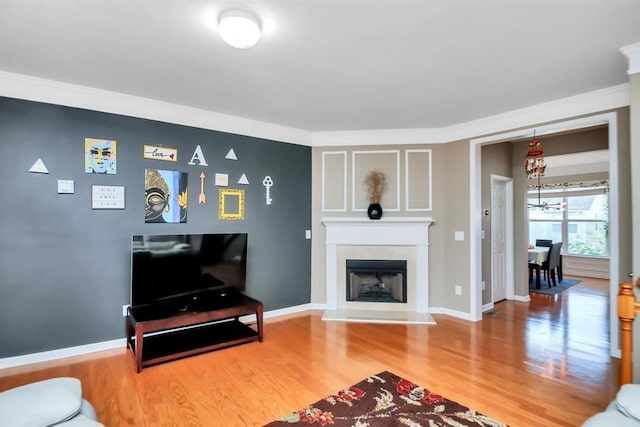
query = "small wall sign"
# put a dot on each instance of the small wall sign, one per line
(157, 152)
(107, 197)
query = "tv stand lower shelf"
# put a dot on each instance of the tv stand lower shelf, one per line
(154, 341)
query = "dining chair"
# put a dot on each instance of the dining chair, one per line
(550, 266)
(544, 243)
(534, 267)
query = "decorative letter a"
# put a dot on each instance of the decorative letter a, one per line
(197, 155)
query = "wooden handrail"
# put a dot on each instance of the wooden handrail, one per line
(628, 307)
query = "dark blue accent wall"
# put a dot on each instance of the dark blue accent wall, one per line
(65, 268)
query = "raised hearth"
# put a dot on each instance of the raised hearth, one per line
(395, 239)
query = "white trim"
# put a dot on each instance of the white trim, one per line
(487, 307)
(521, 298)
(475, 227)
(614, 233)
(509, 235)
(344, 180)
(353, 178)
(475, 189)
(449, 312)
(404, 231)
(42, 90)
(583, 104)
(47, 356)
(632, 52)
(407, 184)
(291, 310)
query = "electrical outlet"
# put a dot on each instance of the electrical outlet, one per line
(458, 290)
(124, 310)
(307, 234)
(483, 285)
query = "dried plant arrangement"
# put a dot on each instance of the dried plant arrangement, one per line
(376, 184)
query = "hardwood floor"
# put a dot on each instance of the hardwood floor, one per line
(543, 363)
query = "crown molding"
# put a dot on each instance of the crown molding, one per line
(632, 52)
(578, 105)
(49, 91)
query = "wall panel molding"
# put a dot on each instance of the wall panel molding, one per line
(331, 175)
(363, 162)
(413, 175)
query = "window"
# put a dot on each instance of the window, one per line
(582, 226)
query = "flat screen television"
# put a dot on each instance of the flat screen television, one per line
(185, 269)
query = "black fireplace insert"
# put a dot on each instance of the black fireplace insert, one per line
(377, 280)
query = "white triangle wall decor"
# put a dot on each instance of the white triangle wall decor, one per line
(231, 155)
(243, 180)
(39, 167)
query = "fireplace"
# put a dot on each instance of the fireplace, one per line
(376, 280)
(389, 238)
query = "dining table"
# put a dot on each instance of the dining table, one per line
(537, 255)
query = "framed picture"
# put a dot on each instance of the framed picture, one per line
(165, 194)
(100, 156)
(230, 204)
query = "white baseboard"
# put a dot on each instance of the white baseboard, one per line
(293, 310)
(47, 356)
(455, 313)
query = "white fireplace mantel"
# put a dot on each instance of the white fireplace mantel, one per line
(387, 231)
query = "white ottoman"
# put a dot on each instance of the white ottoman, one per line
(57, 401)
(622, 412)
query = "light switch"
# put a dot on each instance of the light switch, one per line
(459, 235)
(65, 186)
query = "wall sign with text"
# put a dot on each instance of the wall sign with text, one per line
(157, 152)
(107, 197)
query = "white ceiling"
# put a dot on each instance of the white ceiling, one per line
(330, 64)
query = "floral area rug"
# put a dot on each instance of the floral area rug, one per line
(385, 400)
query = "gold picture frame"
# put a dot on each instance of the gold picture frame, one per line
(230, 204)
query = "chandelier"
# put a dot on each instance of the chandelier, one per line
(534, 167)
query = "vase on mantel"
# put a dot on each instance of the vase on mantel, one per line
(374, 211)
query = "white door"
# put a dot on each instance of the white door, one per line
(498, 240)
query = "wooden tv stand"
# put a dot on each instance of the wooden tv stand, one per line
(186, 333)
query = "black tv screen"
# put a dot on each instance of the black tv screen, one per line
(167, 267)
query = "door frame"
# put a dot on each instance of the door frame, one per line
(508, 234)
(475, 205)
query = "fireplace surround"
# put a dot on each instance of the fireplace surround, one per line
(394, 238)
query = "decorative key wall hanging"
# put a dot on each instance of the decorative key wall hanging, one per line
(268, 183)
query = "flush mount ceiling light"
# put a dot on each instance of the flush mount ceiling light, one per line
(239, 28)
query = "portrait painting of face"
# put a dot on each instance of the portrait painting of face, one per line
(100, 156)
(165, 196)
